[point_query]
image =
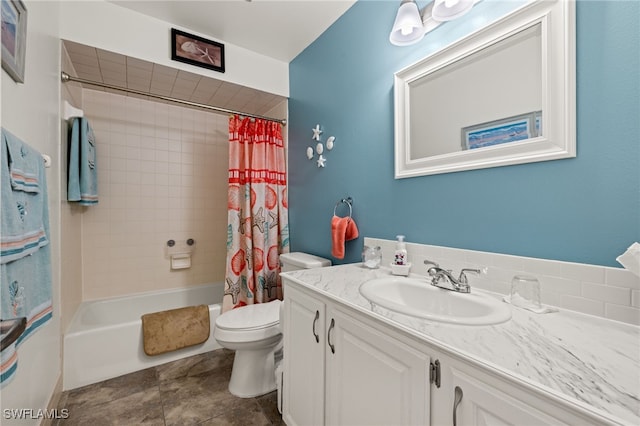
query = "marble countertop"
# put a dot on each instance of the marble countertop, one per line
(585, 360)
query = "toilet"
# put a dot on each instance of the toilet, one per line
(254, 332)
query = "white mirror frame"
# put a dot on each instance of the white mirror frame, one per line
(557, 19)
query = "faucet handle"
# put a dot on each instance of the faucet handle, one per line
(463, 276)
(431, 271)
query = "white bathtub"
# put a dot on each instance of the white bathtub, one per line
(104, 339)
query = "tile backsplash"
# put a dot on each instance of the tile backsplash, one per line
(607, 292)
(162, 175)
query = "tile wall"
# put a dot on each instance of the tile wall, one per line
(612, 293)
(162, 175)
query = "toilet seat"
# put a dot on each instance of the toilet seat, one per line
(249, 323)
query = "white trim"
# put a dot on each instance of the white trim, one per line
(557, 20)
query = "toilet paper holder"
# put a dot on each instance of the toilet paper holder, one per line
(180, 255)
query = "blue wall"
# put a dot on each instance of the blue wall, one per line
(585, 209)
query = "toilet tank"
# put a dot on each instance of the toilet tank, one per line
(298, 260)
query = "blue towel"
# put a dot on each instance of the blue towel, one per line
(25, 261)
(24, 209)
(25, 292)
(23, 163)
(82, 172)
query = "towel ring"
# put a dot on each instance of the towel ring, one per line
(346, 201)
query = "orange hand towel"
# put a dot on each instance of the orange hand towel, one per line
(342, 229)
(352, 230)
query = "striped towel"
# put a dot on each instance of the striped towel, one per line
(23, 203)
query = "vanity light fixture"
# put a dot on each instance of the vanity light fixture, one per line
(447, 10)
(407, 28)
(411, 24)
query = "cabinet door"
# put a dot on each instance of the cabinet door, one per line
(373, 378)
(481, 404)
(304, 345)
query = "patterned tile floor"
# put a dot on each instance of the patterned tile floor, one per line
(190, 391)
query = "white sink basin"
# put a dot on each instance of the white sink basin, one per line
(418, 298)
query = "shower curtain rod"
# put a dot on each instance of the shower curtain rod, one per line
(65, 78)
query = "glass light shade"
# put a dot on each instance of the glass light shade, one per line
(407, 28)
(447, 10)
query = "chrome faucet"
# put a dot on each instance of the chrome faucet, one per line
(442, 278)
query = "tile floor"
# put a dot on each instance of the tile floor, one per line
(190, 391)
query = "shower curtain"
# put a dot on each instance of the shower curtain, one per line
(257, 230)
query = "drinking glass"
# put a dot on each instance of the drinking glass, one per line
(525, 291)
(372, 257)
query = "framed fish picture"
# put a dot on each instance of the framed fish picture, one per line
(195, 50)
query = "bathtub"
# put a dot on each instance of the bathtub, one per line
(104, 339)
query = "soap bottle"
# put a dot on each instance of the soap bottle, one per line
(400, 257)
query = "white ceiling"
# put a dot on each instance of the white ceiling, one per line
(280, 29)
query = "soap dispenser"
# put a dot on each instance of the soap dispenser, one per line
(400, 257)
(400, 264)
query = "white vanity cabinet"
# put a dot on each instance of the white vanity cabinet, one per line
(346, 364)
(339, 370)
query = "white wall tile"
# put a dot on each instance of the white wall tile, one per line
(621, 278)
(148, 194)
(543, 266)
(583, 272)
(617, 295)
(623, 313)
(560, 285)
(508, 262)
(580, 304)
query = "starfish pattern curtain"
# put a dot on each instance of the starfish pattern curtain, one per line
(258, 229)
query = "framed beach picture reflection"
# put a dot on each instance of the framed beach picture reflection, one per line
(510, 129)
(14, 38)
(198, 51)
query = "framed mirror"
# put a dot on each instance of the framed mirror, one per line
(503, 95)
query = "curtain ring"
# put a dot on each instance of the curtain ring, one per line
(346, 201)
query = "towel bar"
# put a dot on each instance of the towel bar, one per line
(348, 201)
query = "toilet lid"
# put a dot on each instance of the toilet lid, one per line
(251, 317)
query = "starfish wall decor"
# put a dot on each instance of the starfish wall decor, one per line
(319, 148)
